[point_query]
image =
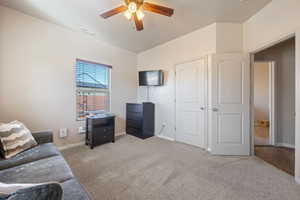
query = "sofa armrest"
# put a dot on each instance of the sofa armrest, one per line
(43, 137)
(46, 191)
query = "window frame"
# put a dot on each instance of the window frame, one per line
(91, 89)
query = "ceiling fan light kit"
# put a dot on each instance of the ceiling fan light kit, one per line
(133, 10)
(140, 15)
(132, 7)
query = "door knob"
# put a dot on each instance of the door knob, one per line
(215, 109)
(202, 108)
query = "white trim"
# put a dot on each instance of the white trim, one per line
(252, 126)
(285, 145)
(297, 120)
(68, 146)
(272, 42)
(166, 138)
(120, 134)
(272, 103)
(297, 180)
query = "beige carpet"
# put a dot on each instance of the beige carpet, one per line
(152, 169)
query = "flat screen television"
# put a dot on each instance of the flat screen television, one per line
(151, 78)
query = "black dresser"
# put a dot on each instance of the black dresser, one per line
(140, 119)
(100, 129)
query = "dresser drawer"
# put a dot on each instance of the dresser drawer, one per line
(133, 130)
(134, 123)
(107, 135)
(134, 116)
(104, 136)
(99, 129)
(134, 108)
(100, 122)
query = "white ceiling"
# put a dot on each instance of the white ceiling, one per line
(189, 15)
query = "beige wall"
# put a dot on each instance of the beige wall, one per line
(261, 91)
(215, 38)
(277, 20)
(229, 37)
(37, 74)
(165, 57)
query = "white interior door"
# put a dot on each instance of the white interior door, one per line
(229, 105)
(191, 103)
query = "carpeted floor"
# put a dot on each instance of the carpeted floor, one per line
(157, 169)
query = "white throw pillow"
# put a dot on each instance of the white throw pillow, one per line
(15, 138)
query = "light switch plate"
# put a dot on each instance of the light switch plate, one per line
(63, 132)
(81, 130)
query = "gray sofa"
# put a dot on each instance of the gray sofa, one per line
(43, 163)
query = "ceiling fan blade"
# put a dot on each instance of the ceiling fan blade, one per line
(114, 11)
(158, 9)
(138, 23)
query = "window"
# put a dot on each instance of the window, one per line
(93, 88)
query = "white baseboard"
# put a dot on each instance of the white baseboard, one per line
(166, 138)
(285, 145)
(120, 134)
(297, 180)
(68, 146)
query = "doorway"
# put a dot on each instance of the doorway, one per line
(273, 94)
(264, 103)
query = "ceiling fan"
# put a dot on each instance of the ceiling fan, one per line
(133, 10)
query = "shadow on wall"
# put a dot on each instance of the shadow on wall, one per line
(163, 98)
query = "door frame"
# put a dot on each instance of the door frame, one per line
(206, 56)
(287, 36)
(271, 101)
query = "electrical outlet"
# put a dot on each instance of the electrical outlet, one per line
(63, 132)
(81, 130)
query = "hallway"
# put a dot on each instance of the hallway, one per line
(280, 157)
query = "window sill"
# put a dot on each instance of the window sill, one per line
(100, 112)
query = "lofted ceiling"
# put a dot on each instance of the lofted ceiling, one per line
(190, 15)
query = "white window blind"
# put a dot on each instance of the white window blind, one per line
(93, 88)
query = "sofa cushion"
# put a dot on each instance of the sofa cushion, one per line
(15, 138)
(46, 170)
(74, 190)
(37, 153)
(43, 191)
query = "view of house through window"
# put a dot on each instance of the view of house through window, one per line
(93, 88)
